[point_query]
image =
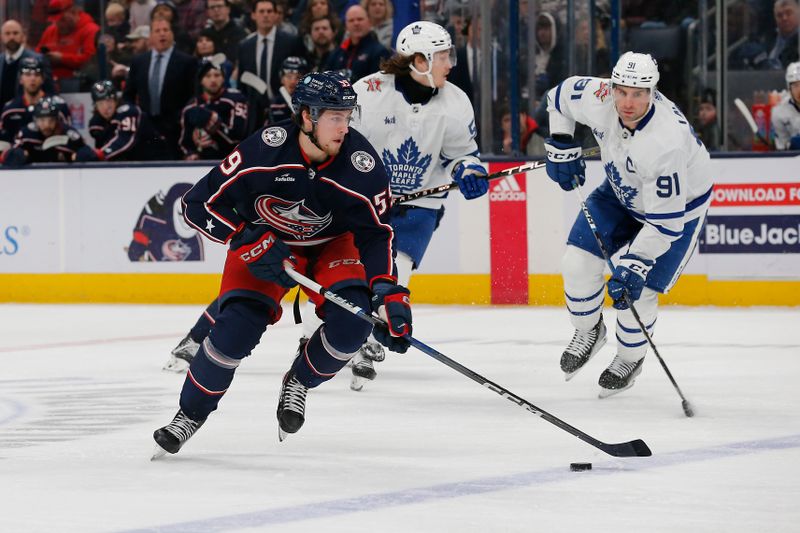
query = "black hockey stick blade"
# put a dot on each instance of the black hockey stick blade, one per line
(634, 448)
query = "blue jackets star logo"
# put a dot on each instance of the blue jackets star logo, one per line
(407, 169)
(625, 193)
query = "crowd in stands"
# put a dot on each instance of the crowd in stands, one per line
(200, 75)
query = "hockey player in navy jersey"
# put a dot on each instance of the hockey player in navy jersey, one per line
(650, 207)
(121, 130)
(214, 122)
(292, 71)
(18, 112)
(47, 139)
(314, 193)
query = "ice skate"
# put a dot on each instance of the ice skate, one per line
(291, 406)
(182, 355)
(619, 376)
(174, 435)
(363, 371)
(583, 346)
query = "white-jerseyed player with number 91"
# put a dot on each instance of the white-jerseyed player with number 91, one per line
(650, 207)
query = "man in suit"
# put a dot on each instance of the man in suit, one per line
(262, 54)
(361, 53)
(161, 82)
(13, 38)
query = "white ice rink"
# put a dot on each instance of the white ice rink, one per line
(422, 448)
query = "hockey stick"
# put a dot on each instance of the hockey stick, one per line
(687, 408)
(634, 448)
(748, 117)
(531, 165)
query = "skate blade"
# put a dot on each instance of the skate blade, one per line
(605, 393)
(158, 453)
(357, 383)
(179, 366)
(281, 434)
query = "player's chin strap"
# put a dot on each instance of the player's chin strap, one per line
(427, 73)
(311, 136)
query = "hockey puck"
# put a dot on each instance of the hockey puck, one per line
(580, 467)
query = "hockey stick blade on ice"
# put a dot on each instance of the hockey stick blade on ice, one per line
(688, 410)
(525, 167)
(634, 448)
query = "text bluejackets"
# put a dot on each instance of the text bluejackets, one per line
(128, 136)
(223, 134)
(269, 182)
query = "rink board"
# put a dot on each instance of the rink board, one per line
(69, 244)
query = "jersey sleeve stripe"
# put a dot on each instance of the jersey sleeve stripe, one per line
(667, 232)
(663, 216)
(558, 97)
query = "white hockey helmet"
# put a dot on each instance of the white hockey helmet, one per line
(792, 73)
(635, 70)
(426, 38)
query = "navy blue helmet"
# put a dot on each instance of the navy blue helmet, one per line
(294, 64)
(103, 90)
(45, 107)
(30, 64)
(323, 90)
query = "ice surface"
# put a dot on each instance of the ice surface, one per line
(422, 448)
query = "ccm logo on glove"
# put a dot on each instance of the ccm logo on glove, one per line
(258, 249)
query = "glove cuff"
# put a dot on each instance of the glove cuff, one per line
(638, 265)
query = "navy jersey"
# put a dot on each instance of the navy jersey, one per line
(128, 136)
(31, 147)
(216, 141)
(18, 113)
(279, 109)
(268, 180)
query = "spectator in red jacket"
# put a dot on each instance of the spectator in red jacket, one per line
(69, 43)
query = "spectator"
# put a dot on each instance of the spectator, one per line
(192, 16)
(13, 38)
(68, 43)
(380, 13)
(292, 70)
(137, 42)
(214, 122)
(222, 29)
(786, 115)
(140, 12)
(528, 143)
(121, 131)
(550, 60)
(161, 82)
(601, 67)
(783, 48)
(117, 24)
(322, 35)
(207, 47)
(167, 11)
(706, 126)
(261, 55)
(360, 54)
(315, 10)
(48, 139)
(467, 61)
(280, 19)
(18, 112)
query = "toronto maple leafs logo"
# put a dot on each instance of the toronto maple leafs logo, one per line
(292, 218)
(408, 168)
(624, 193)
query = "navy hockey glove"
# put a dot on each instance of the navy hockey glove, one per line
(630, 274)
(470, 180)
(264, 254)
(391, 303)
(794, 143)
(564, 161)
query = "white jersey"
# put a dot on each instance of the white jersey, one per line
(785, 122)
(420, 144)
(660, 171)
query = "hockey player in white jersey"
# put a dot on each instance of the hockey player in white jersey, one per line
(651, 207)
(786, 115)
(424, 128)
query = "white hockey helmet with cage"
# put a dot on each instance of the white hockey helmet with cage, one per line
(792, 73)
(426, 38)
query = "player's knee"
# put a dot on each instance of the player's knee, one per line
(239, 326)
(578, 264)
(345, 331)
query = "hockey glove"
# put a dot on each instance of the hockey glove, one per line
(391, 303)
(470, 180)
(629, 275)
(264, 254)
(198, 117)
(564, 161)
(794, 143)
